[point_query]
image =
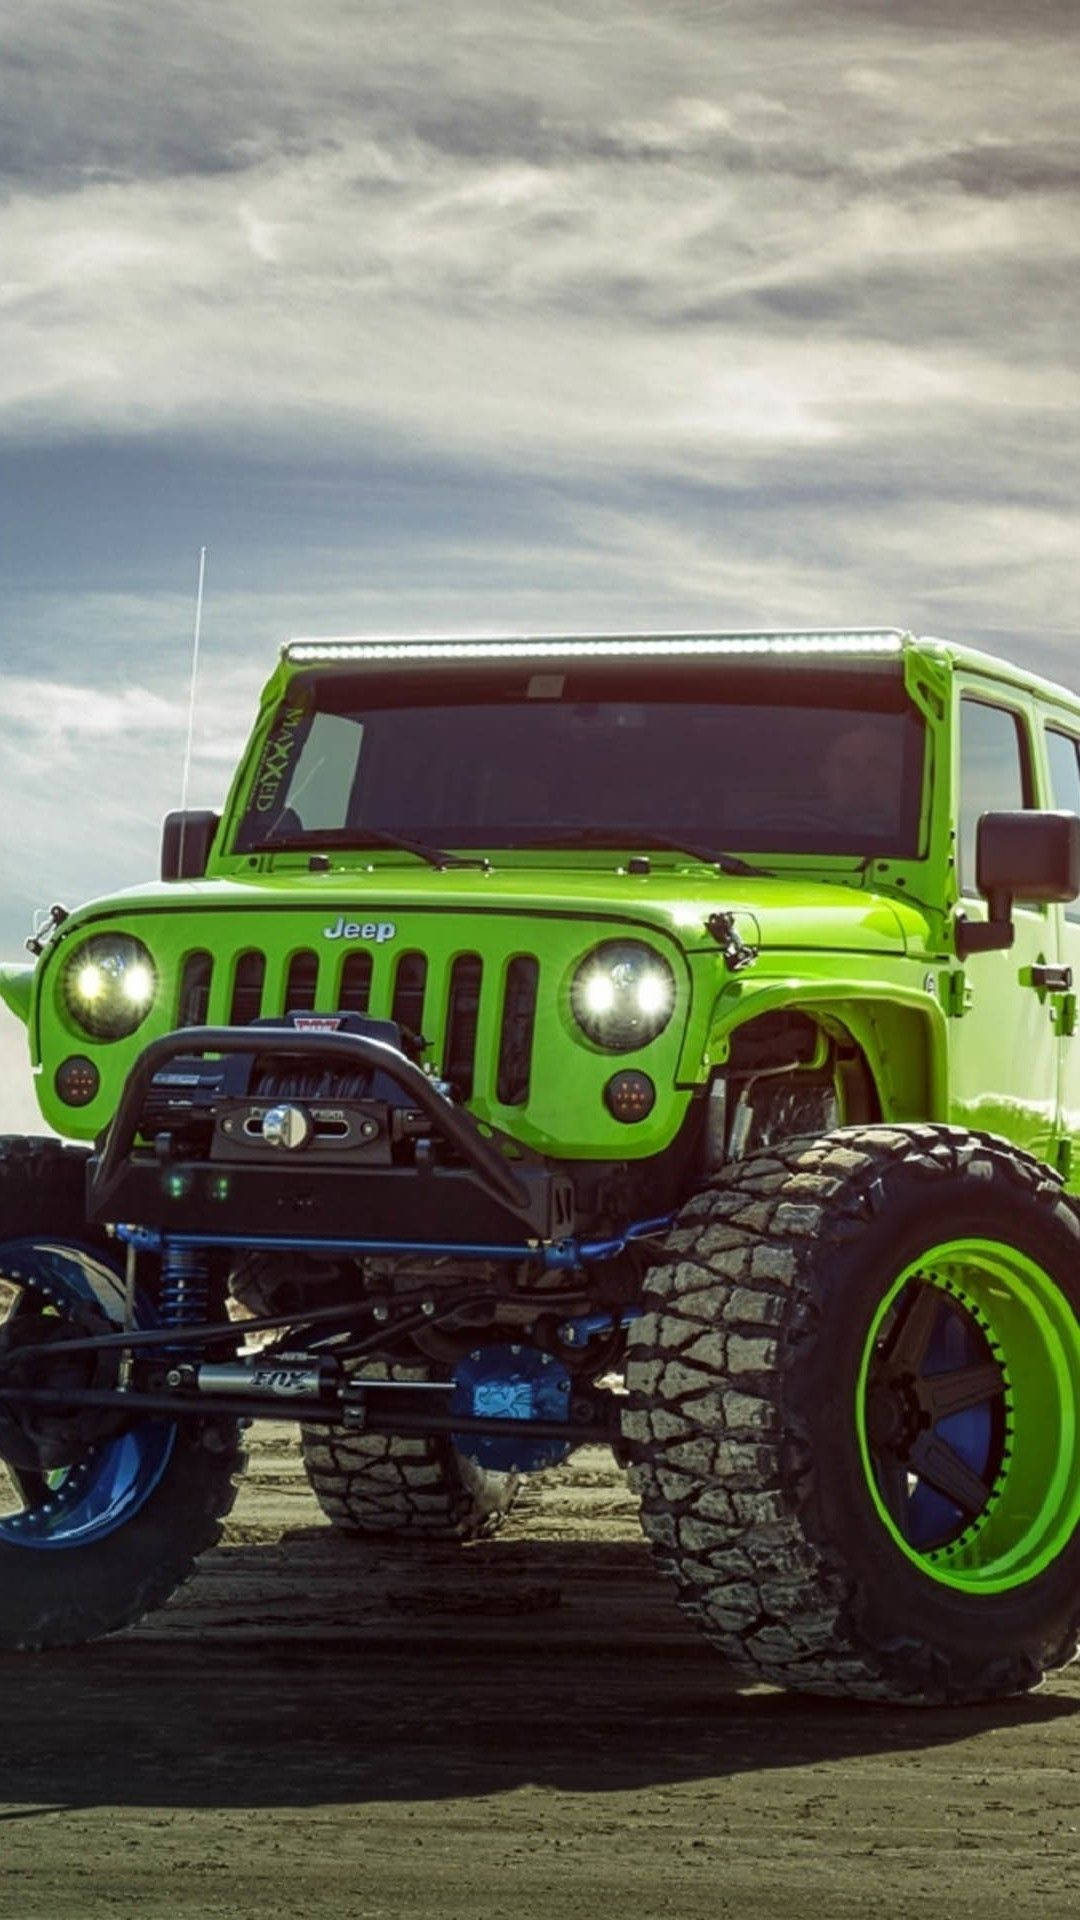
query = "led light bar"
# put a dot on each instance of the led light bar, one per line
(642, 645)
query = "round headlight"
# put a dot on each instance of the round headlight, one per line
(622, 995)
(108, 985)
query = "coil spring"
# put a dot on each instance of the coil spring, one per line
(184, 1286)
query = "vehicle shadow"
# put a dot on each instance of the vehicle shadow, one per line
(319, 1671)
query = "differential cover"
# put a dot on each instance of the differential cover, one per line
(511, 1383)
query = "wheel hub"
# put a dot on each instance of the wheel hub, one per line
(893, 1415)
(934, 1414)
(41, 1438)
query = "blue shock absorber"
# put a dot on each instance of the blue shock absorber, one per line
(184, 1286)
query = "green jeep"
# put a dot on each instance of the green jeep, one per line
(660, 1041)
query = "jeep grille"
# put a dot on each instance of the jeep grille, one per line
(479, 1019)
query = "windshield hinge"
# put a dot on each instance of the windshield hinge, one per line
(737, 954)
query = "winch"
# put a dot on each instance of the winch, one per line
(243, 1106)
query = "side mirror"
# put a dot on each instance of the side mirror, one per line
(186, 839)
(1030, 856)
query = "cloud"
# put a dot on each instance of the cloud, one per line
(636, 313)
(480, 238)
(87, 776)
(58, 719)
(18, 1104)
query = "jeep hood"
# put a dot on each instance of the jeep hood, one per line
(794, 913)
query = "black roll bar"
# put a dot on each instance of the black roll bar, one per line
(347, 1050)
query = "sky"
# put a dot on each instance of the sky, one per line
(458, 318)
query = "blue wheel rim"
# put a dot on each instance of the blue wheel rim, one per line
(111, 1480)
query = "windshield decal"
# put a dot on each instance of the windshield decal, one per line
(278, 756)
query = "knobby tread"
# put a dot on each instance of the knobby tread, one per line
(387, 1486)
(721, 1457)
(202, 1494)
(43, 1189)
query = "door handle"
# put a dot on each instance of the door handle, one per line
(1052, 979)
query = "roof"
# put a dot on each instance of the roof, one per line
(1008, 672)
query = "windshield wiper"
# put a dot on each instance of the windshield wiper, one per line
(561, 833)
(361, 837)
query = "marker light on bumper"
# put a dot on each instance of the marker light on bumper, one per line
(630, 1096)
(108, 985)
(77, 1080)
(623, 995)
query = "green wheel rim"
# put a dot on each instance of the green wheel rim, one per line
(967, 1416)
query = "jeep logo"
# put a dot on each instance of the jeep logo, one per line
(377, 930)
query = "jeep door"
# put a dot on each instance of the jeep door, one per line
(1063, 762)
(1003, 1047)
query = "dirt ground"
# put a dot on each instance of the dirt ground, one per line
(523, 1728)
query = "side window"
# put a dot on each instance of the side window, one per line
(1063, 753)
(993, 774)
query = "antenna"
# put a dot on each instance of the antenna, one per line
(191, 705)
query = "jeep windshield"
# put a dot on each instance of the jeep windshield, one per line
(774, 761)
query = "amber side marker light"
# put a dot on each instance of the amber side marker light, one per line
(77, 1080)
(630, 1095)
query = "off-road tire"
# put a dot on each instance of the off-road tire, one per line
(741, 1430)
(43, 1190)
(63, 1597)
(388, 1487)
